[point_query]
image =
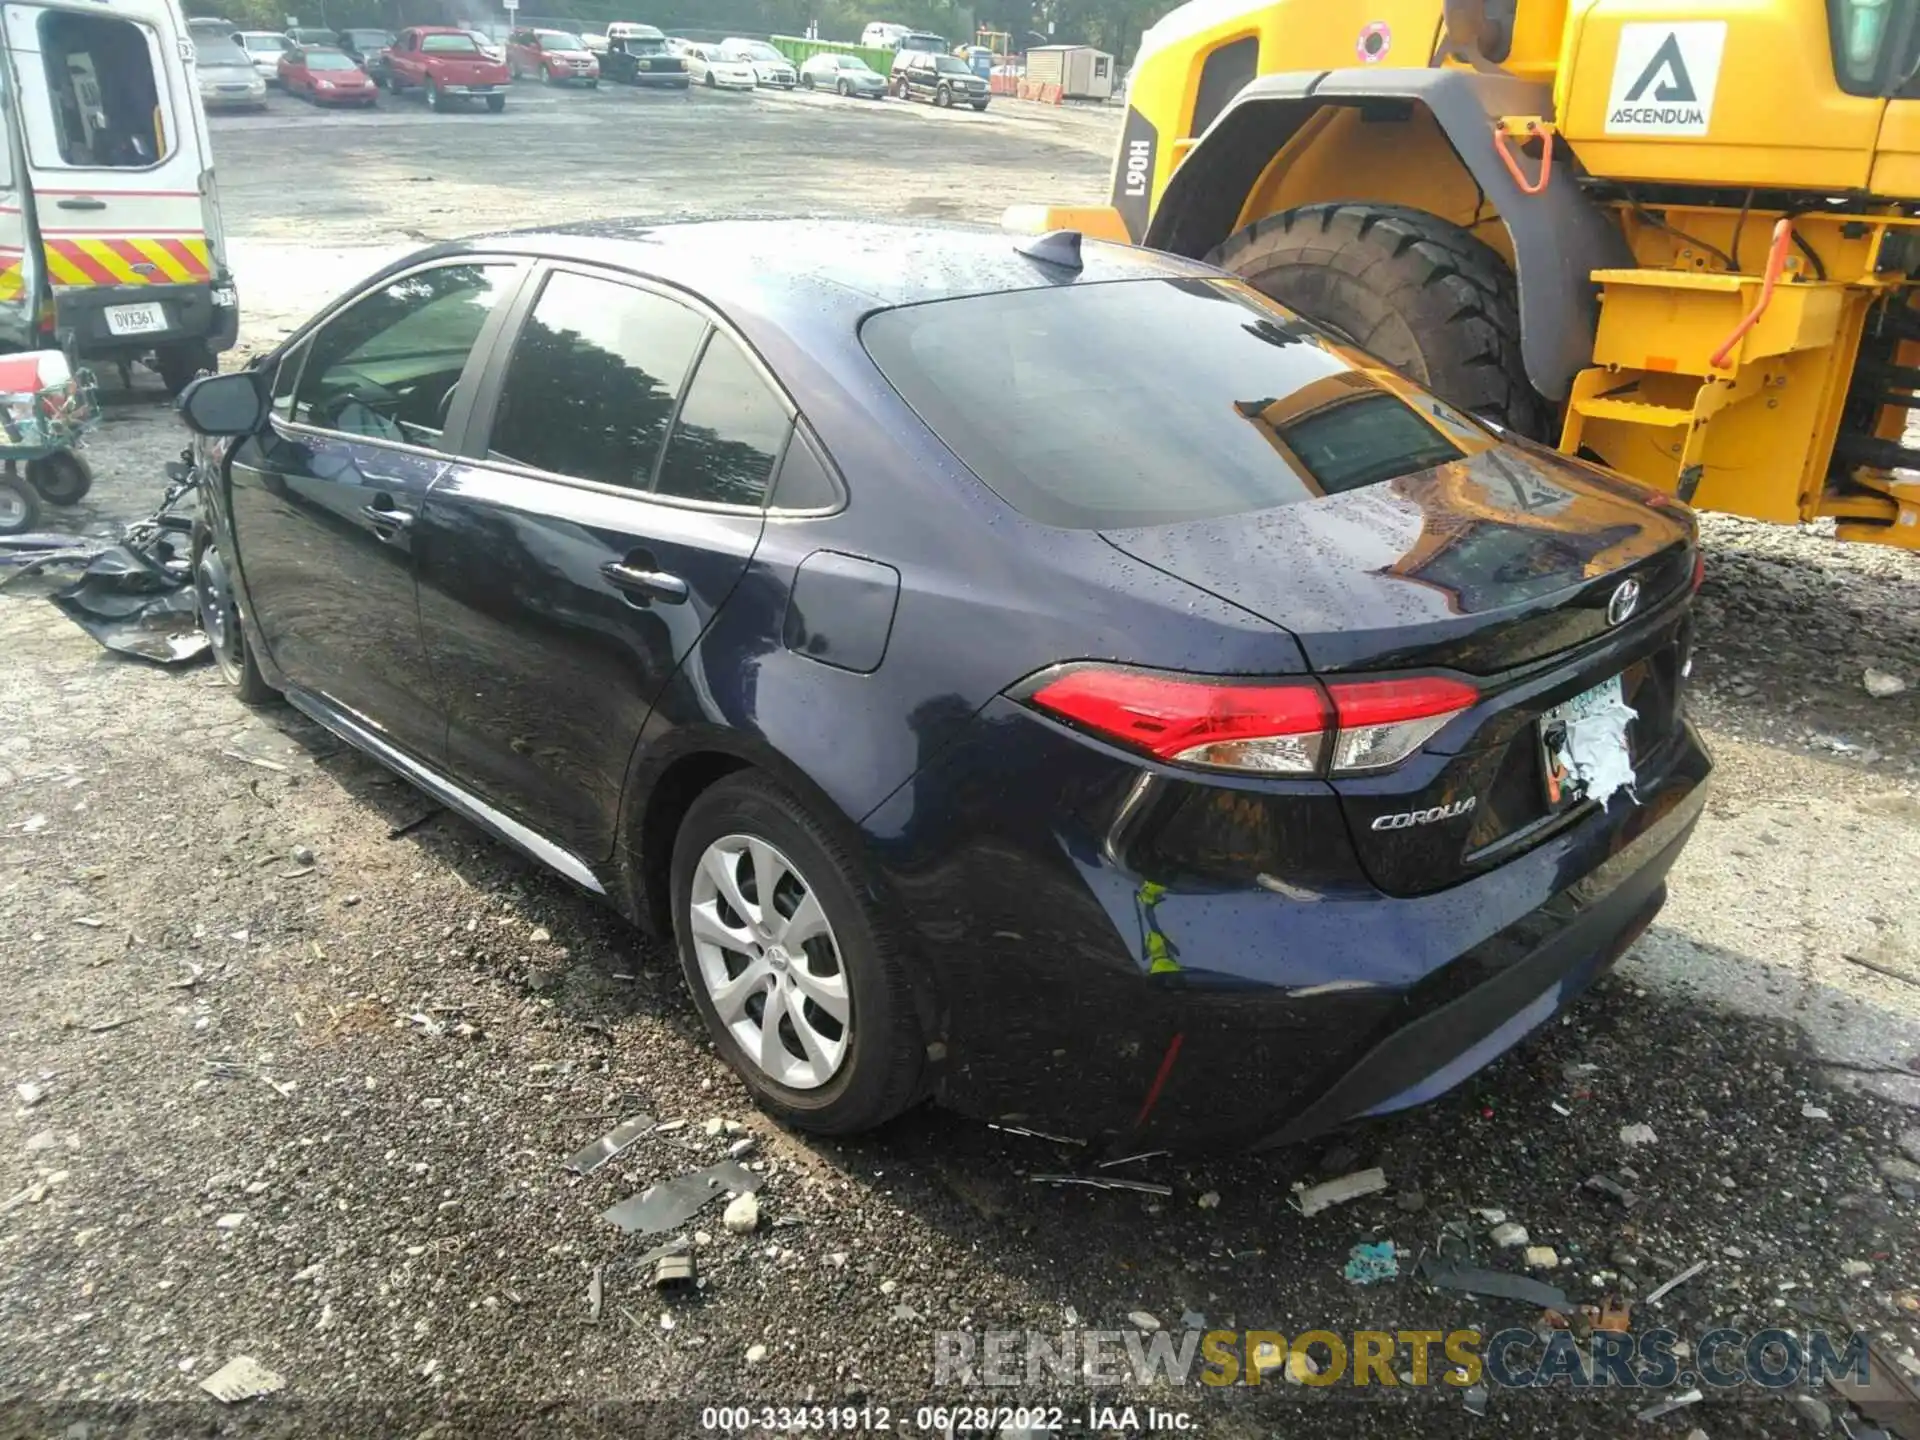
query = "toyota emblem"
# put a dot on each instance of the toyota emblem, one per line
(1624, 602)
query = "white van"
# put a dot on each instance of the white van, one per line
(884, 35)
(107, 204)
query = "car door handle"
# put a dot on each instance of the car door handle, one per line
(387, 520)
(85, 202)
(651, 584)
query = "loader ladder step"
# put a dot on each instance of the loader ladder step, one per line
(1634, 412)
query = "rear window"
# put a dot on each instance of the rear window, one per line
(1148, 402)
(449, 45)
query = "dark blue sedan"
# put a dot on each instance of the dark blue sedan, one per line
(1053, 679)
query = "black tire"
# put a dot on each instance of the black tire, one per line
(980, 105)
(62, 478)
(435, 100)
(845, 89)
(220, 619)
(712, 84)
(496, 104)
(593, 84)
(943, 98)
(881, 1074)
(19, 506)
(1416, 291)
(179, 365)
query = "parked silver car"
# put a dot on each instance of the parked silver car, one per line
(843, 74)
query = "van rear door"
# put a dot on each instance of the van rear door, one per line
(21, 271)
(115, 148)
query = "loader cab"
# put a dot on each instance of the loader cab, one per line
(118, 182)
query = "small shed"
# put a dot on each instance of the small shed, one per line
(1081, 72)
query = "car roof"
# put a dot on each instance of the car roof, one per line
(797, 273)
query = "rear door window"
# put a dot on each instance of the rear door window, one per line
(1149, 402)
(593, 379)
(730, 431)
(103, 78)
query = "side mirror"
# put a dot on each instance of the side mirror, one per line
(224, 404)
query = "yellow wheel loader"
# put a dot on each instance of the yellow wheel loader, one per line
(1681, 237)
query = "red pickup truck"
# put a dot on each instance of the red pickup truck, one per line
(448, 65)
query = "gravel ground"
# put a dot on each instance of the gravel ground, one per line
(313, 1110)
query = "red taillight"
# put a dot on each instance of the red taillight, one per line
(1200, 722)
(1295, 727)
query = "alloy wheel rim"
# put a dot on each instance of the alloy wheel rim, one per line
(217, 618)
(770, 962)
(13, 508)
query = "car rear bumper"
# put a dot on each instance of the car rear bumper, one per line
(1082, 984)
(666, 80)
(81, 313)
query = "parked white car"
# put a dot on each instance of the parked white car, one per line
(708, 65)
(770, 67)
(264, 48)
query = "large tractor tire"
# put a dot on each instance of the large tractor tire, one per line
(1414, 290)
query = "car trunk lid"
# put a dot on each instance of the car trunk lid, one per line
(1544, 580)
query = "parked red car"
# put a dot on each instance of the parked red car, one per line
(449, 66)
(326, 77)
(556, 56)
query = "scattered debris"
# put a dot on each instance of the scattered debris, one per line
(1209, 1201)
(1312, 1200)
(1027, 1134)
(1887, 1397)
(1410, 1200)
(1474, 1397)
(1103, 1182)
(1891, 972)
(1641, 1134)
(742, 1215)
(301, 855)
(1192, 1320)
(1680, 1279)
(258, 760)
(756, 1353)
(1667, 1407)
(609, 1145)
(1143, 1320)
(1132, 1159)
(1541, 1257)
(742, 1147)
(30, 1094)
(1509, 1236)
(1370, 1264)
(1612, 1313)
(676, 1246)
(596, 1293)
(1854, 1268)
(676, 1274)
(193, 978)
(232, 1220)
(101, 1027)
(673, 1202)
(1490, 1215)
(409, 826)
(1612, 1188)
(241, 1378)
(1882, 684)
(667, 1127)
(1817, 1413)
(1500, 1284)
(1815, 1112)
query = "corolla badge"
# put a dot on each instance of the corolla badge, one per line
(1626, 599)
(1407, 819)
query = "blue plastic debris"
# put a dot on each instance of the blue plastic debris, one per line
(1369, 1264)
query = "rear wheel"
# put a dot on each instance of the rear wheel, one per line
(1418, 292)
(180, 365)
(435, 100)
(789, 962)
(943, 97)
(496, 103)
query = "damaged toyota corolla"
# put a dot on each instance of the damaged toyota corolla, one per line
(1054, 679)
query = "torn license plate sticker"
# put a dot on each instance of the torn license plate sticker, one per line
(1585, 754)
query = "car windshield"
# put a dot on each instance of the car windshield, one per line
(1149, 402)
(370, 39)
(754, 50)
(853, 62)
(266, 42)
(560, 40)
(646, 45)
(329, 60)
(448, 45)
(219, 55)
(947, 65)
